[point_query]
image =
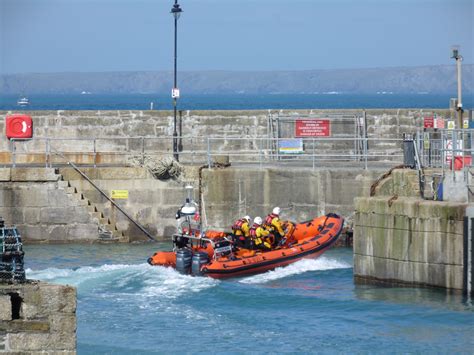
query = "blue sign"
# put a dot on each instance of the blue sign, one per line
(290, 146)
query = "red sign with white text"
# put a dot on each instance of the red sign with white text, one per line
(428, 122)
(312, 128)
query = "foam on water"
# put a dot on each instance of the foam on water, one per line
(305, 265)
(167, 283)
(146, 280)
(79, 275)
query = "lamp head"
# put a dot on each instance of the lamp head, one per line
(455, 52)
(176, 11)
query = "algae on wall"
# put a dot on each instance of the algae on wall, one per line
(302, 193)
(407, 239)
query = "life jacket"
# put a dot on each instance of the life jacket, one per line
(253, 231)
(269, 219)
(237, 226)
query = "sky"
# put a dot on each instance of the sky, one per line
(45, 36)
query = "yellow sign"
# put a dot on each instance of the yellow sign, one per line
(451, 125)
(426, 141)
(119, 194)
(465, 124)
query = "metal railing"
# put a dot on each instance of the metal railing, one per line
(100, 150)
(446, 149)
(110, 151)
(310, 151)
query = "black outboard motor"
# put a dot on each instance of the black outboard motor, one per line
(199, 259)
(183, 261)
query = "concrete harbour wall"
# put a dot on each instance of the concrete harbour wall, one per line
(125, 133)
(301, 193)
(45, 212)
(38, 203)
(227, 194)
(401, 239)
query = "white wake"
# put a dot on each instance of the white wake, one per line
(305, 265)
(143, 279)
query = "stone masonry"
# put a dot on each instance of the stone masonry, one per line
(34, 201)
(119, 133)
(227, 194)
(37, 317)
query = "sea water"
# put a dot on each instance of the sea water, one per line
(232, 101)
(126, 306)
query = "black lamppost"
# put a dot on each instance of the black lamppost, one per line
(458, 59)
(176, 12)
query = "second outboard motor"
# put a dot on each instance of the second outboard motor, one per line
(183, 260)
(199, 259)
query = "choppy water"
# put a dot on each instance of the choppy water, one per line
(126, 306)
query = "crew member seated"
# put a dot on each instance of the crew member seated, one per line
(273, 225)
(241, 232)
(258, 235)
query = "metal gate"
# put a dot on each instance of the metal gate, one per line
(336, 136)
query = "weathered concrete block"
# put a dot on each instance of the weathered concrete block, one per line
(58, 198)
(57, 233)
(58, 298)
(57, 215)
(5, 308)
(167, 197)
(35, 196)
(31, 310)
(31, 215)
(33, 174)
(47, 319)
(28, 341)
(83, 232)
(5, 174)
(17, 215)
(63, 323)
(22, 342)
(6, 196)
(81, 215)
(34, 233)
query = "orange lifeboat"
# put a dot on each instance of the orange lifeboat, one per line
(218, 259)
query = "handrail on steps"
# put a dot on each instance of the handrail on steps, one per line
(139, 226)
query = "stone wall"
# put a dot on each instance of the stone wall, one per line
(401, 238)
(37, 317)
(302, 193)
(227, 194)
(152, 202)
(35, 201)
(130, 132)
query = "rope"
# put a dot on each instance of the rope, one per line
(387, 174)
(163, 169)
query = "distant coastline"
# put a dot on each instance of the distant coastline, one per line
(439, 79)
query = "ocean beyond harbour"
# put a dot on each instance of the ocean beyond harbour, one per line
(126, 306)
(332, 100)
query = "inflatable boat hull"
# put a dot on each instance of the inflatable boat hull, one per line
(308, 240)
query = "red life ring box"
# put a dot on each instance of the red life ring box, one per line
(19, 126)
